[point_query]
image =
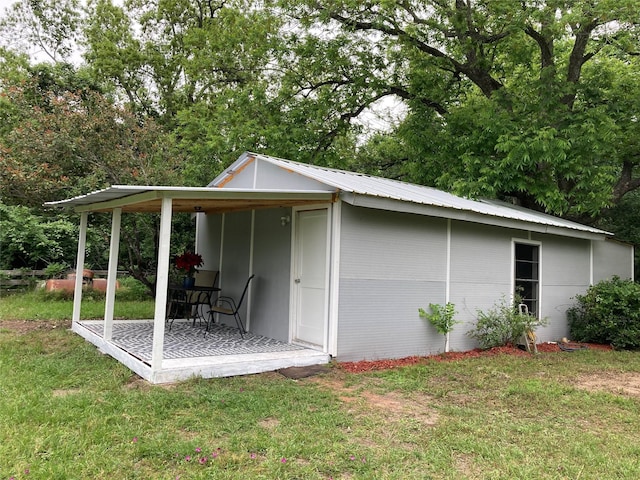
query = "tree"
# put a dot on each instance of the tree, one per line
(63, 138)
(213, 73)
(66, 142)
(45, 28)
(515, 100)
(31, 241)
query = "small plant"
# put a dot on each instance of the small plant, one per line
(56, 270)
(503, 324)
(608, 313)
(441, 317)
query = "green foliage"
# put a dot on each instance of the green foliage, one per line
(441, 316)
(608, 313)
(521, 101)
(66, 143)
(56, 270)
(503, 324)
(131, 290)
(32, 241)
(45, 27)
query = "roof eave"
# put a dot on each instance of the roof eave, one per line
(355, 199)
(189, 199)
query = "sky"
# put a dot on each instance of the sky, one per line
(4, 4)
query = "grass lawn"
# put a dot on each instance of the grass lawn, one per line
(68, 412)
(37, 306)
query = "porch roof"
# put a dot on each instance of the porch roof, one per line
(148, 199)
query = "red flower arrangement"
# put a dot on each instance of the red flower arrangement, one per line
(188, 262)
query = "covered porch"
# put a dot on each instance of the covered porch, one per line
(188, 352)
(150, 348)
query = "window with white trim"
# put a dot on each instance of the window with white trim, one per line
(527, 275)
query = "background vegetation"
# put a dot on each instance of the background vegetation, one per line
(532, 102)
(608, 313)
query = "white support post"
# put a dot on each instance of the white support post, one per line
(247, 322)
(162, 284)
(590, 262)
(447, 288)
(114, 248)
(82, 246)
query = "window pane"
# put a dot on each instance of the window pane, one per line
(526, 273)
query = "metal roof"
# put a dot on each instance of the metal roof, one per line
(369, 185)
(189, 199)
(217, 197)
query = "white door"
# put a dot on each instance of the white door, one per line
(310, 277)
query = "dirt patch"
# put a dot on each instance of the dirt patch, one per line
(269, 423)
(26, 326)
(624, 383)
(465, 464)
(296, 373)
(394, 405)
(66, 392)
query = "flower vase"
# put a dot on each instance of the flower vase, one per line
(188, 282)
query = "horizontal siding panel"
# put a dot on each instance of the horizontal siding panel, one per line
(565, 262)
(480, 254)
(377, 244)
(555, 303)
(272, 266)
(612, 258)
(379, 319)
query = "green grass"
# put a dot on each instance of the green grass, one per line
(68, 412)
(40, 306)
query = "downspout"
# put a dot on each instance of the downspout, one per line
(447, 288)
(590, 262)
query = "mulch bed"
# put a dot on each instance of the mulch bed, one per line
(373, 365)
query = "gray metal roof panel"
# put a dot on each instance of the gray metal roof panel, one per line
(355, 183)
(362, 184)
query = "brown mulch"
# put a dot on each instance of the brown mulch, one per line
(373, 365)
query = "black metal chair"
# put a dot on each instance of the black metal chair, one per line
(202, 298)
(189, 301)
(228, 306)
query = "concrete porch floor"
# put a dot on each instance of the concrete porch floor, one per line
(189, 353)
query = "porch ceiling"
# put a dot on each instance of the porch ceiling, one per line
(187, 199)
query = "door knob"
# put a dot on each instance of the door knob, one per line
(297, 280)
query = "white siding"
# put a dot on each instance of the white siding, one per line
(272, 266)
(480, 274)
(612, 258)
(391, 265)
(236, 254)
(208, 240)
(565, 273)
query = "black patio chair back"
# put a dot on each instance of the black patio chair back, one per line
(225, 305)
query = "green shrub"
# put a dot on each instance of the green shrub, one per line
(132, 290)
(608, 313)
(56, 270)
(441, 317)
(503, 324)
